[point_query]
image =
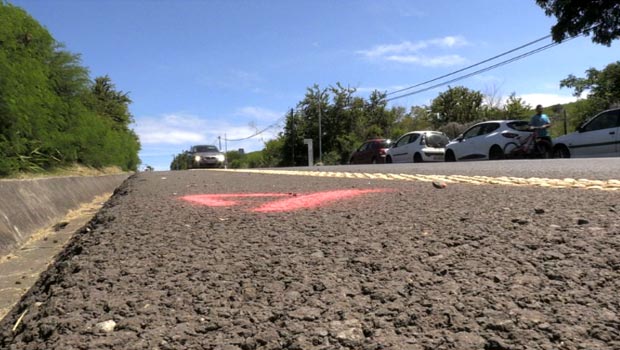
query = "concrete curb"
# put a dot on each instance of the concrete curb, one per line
(30, 205)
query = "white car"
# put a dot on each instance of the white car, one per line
(597, 137)
(418, 146)
(486, 140)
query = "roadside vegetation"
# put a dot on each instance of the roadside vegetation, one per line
(65, 171)
(52, 114)
(348, 120)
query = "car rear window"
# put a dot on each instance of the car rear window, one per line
(519, 125)
(437, 140)
(384, 144)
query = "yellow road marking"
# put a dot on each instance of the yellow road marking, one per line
(608, 185)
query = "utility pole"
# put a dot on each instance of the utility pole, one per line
(320, 132)
(294, 135)
(219, 139)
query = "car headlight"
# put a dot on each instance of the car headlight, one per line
(220, 157)
(197, 158)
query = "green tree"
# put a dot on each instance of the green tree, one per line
(603, 85)
(26, 97)
(51, 114)
(599, 17)
(109, 102)
(293, 148)
(458, 104)
(418, 118)
(516, 108)
(181, 161)
(271, 154)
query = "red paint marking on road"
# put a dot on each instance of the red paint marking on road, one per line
(222, 200)
(313, 200)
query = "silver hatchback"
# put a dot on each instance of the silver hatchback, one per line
(206, 156)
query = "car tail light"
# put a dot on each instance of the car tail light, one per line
(510, 135)
(383, 151)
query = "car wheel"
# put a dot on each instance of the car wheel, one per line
(388, 160)
(449, 157)
(510, 149)
(496, 153)
(544, 150)
(561, 151)
(417, 158)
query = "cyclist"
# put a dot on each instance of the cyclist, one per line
(541, 122)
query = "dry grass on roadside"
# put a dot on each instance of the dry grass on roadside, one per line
(74, 170)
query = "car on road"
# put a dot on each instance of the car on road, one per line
(206, 156)
(372, 151)
(418, 146)
(597, 137)
(486, 140)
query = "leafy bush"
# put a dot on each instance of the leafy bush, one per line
(47, 114)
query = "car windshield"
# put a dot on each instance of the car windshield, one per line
(207, 148)
(437, 140)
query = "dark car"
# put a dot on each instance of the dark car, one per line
(206, 156)
(371, 152)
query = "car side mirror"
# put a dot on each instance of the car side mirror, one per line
(460, 138)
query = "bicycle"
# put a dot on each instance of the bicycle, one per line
(533, 146)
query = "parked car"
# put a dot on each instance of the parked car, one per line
(371, 152)
(418, 146)
(206, 156)
(597, 137)
(486, 140)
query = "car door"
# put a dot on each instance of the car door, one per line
(469, 144)
(411, 148)
(598, 137)
(362, 155)
(397, 150)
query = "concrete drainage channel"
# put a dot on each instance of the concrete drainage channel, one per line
(37, 218)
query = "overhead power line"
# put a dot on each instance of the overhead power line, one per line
(502, 63)
(472, 66)
(258, 132)
(516, 58)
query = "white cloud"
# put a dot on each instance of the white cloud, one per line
(408, 47)
(488, 78)
(408, 52)
(172, 129)
(438, 61)
(174, 137)
(449, 42)
(368, 89)
(164, 136)
(546, 99)
(231, 79)
(258, 113)
(382, 50)
(185, 129)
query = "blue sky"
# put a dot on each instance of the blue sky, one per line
(196, 70)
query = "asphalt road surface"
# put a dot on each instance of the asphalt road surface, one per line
(238, 260)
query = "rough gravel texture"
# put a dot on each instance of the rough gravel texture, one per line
(463, 267)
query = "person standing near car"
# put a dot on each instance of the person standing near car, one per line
(542, 122)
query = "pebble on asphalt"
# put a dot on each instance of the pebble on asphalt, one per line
(106, 326)
(439, 184)
(582, 222)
